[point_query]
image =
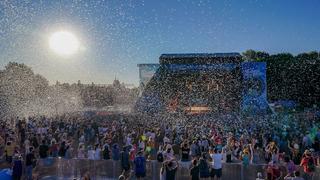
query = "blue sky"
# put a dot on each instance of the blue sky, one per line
(116, 35)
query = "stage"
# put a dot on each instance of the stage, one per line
(202, 83)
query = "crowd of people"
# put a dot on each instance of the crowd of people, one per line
(199, 143)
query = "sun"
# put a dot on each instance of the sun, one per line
(64, 43)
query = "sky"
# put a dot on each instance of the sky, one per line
(116, 35)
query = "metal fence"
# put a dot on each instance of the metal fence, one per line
(109, 169)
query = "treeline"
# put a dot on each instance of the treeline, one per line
(291, 77)
(107, 95)
(24, 93)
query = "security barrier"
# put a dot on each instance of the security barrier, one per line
(102, 169)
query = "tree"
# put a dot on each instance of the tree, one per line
(261, 56)
(313, 55)
(278, 75)
(249, 55)
(252, 55)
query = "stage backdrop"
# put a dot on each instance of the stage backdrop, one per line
(254, 97)
(254, 93)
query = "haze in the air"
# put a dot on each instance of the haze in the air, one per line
(117, 35)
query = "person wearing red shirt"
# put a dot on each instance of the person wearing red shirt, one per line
(308, 163)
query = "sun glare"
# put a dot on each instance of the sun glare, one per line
(64, 43)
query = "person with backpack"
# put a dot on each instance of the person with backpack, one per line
(140, 165)
(308, 164)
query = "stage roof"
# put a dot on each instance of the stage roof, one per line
(200, 58)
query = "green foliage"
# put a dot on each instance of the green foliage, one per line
(252, 55)
(291, 77)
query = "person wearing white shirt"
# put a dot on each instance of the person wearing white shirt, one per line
(91, 153)
(216, 164)
(97, 153)
(128, 140)
(82, 139)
